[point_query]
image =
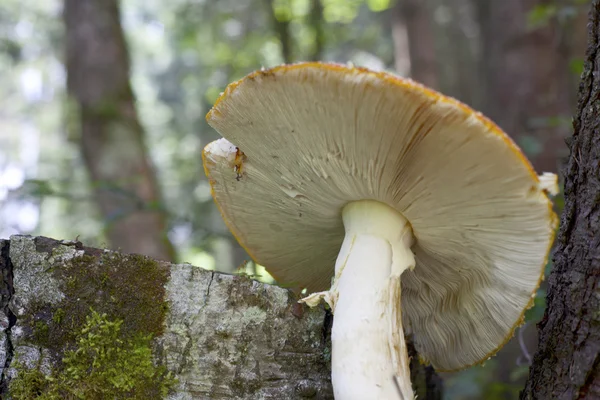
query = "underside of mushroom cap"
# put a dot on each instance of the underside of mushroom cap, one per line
(302, 141)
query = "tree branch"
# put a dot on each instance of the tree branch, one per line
(221, 336)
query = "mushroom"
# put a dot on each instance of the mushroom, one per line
(429, 219)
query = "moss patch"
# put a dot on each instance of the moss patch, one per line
(101, 366)
(125, 287)
(126, 291)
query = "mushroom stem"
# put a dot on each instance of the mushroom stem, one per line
(369, 357)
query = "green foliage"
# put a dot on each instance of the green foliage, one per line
(378, 5)
(104, 365)
(287, 10)
(576, 66)
(344, 11)
(541, 15)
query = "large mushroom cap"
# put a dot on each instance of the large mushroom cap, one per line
(301, 141)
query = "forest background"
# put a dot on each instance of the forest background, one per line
(102, 141)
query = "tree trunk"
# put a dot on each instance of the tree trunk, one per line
(221, 336)
(112, 139)
(566, 365)
(572, 42)
(413, 19)
(281, 28)
(460, 52)
(525, 78)
(316, 22)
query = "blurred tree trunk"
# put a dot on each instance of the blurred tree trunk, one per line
(572, 42)
(281, 28)
(461, 52)
(411, 24)
(525, 85)
(112, 139)
(400, 40)
(525, 78)
(316, 23)
(567, 363)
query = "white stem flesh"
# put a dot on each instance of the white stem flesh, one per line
(369, 357)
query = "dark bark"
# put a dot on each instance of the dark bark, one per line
(413, 17)
(426, 383)
(8, 317)
(112, 139)
(567, 363)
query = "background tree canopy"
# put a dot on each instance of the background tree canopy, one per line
(102, 140)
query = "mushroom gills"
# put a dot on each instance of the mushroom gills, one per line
(369, 356)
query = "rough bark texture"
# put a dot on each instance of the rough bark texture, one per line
(7, 317)
(525, 78)
(413, 19)
(223, 336)
(111, 138)
(567, 363)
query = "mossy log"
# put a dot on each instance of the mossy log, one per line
(219, 336)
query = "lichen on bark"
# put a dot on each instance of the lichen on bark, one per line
(248, 344)
(221, 336)
(59, 286)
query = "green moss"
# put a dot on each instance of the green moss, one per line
(125, 287)
(31, 384)
(128, 290)
(101, 366)
(41, 331)
(38, 322)
(58, 316)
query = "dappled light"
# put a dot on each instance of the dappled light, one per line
(103, 123)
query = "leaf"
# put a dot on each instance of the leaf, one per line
(541, 14)
(378, 5)
(576, 66)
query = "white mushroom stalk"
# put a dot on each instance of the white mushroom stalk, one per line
(369, 357)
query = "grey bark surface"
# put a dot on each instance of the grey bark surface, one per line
(567, 363)
(223, 336)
